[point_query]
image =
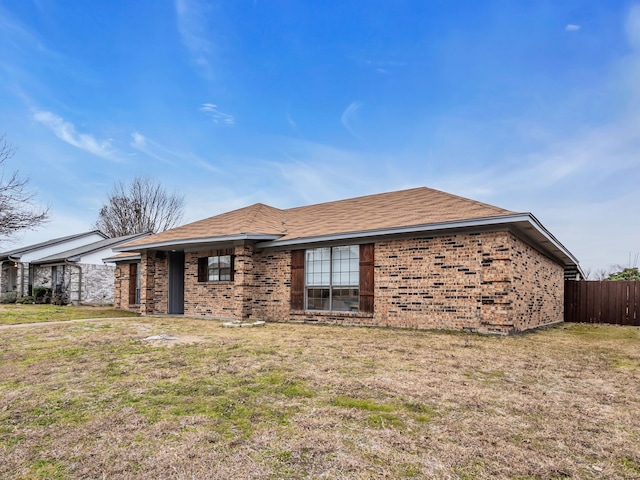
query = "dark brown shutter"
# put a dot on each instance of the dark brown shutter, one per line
(203, 264)
(232, 265)
(366, 278)
(133, 277)
(297, 280)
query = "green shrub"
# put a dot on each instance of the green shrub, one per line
(8, 297)
(59, 296)
(41, 295)
(26, 300)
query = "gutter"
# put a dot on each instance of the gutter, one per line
(504, 221)
(428, 227)
(128, 258)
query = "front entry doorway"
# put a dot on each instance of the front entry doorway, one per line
(176, 282)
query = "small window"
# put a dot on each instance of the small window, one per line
(217, 268)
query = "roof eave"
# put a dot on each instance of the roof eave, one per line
(59, 261)
(505, 221)
(128, 258)
(456, 224)
(171, 244)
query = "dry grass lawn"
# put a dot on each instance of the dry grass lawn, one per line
(11, 314)
(92, 400)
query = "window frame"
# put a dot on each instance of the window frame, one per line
(57, 276)
(322, 286)
(211, 263)
(367, 280)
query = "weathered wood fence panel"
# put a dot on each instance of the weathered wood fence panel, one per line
(602, 302)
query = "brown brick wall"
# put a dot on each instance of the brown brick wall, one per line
(207, 299)
(121, 288)
(538, 286)
(488, 282)
(428, 283)
(153, 283)
(272, 280)
(118, 284)
(225, 300)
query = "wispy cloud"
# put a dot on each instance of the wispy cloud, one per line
(292, 123)
(349, 116)
(150, 148)
(572, 27)
(66, 132)
(194, 32)
(166, 155)
(311, 172)
(211, 110)
(633, 26)
(138, 141)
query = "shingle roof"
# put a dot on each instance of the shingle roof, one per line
(404, 208)
(79, 252)
(48, 243)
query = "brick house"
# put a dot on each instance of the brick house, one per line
(418, 258)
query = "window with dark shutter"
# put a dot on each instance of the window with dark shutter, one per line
(366, 277)
(217, 268)
(297, 280)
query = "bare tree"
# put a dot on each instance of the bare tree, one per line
(139, 206)
(17, 210)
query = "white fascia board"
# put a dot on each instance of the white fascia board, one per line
(196, 241)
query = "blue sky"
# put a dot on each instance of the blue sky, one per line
(531, 106)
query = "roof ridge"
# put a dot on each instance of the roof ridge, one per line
(403, 191)
(477, 202)
(52, 241)
(256, 209)
(354, 198)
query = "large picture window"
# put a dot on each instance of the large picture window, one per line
(332, 278)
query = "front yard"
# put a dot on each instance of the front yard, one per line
(94, 400)
(14, 313)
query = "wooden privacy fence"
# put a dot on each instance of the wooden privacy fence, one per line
(602, 302)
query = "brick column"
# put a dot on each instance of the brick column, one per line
(243, 281)
(147, 283)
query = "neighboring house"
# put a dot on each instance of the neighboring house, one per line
(416, 258)
(16, 271)
(77, 271)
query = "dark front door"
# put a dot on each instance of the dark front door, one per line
(176, 282)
